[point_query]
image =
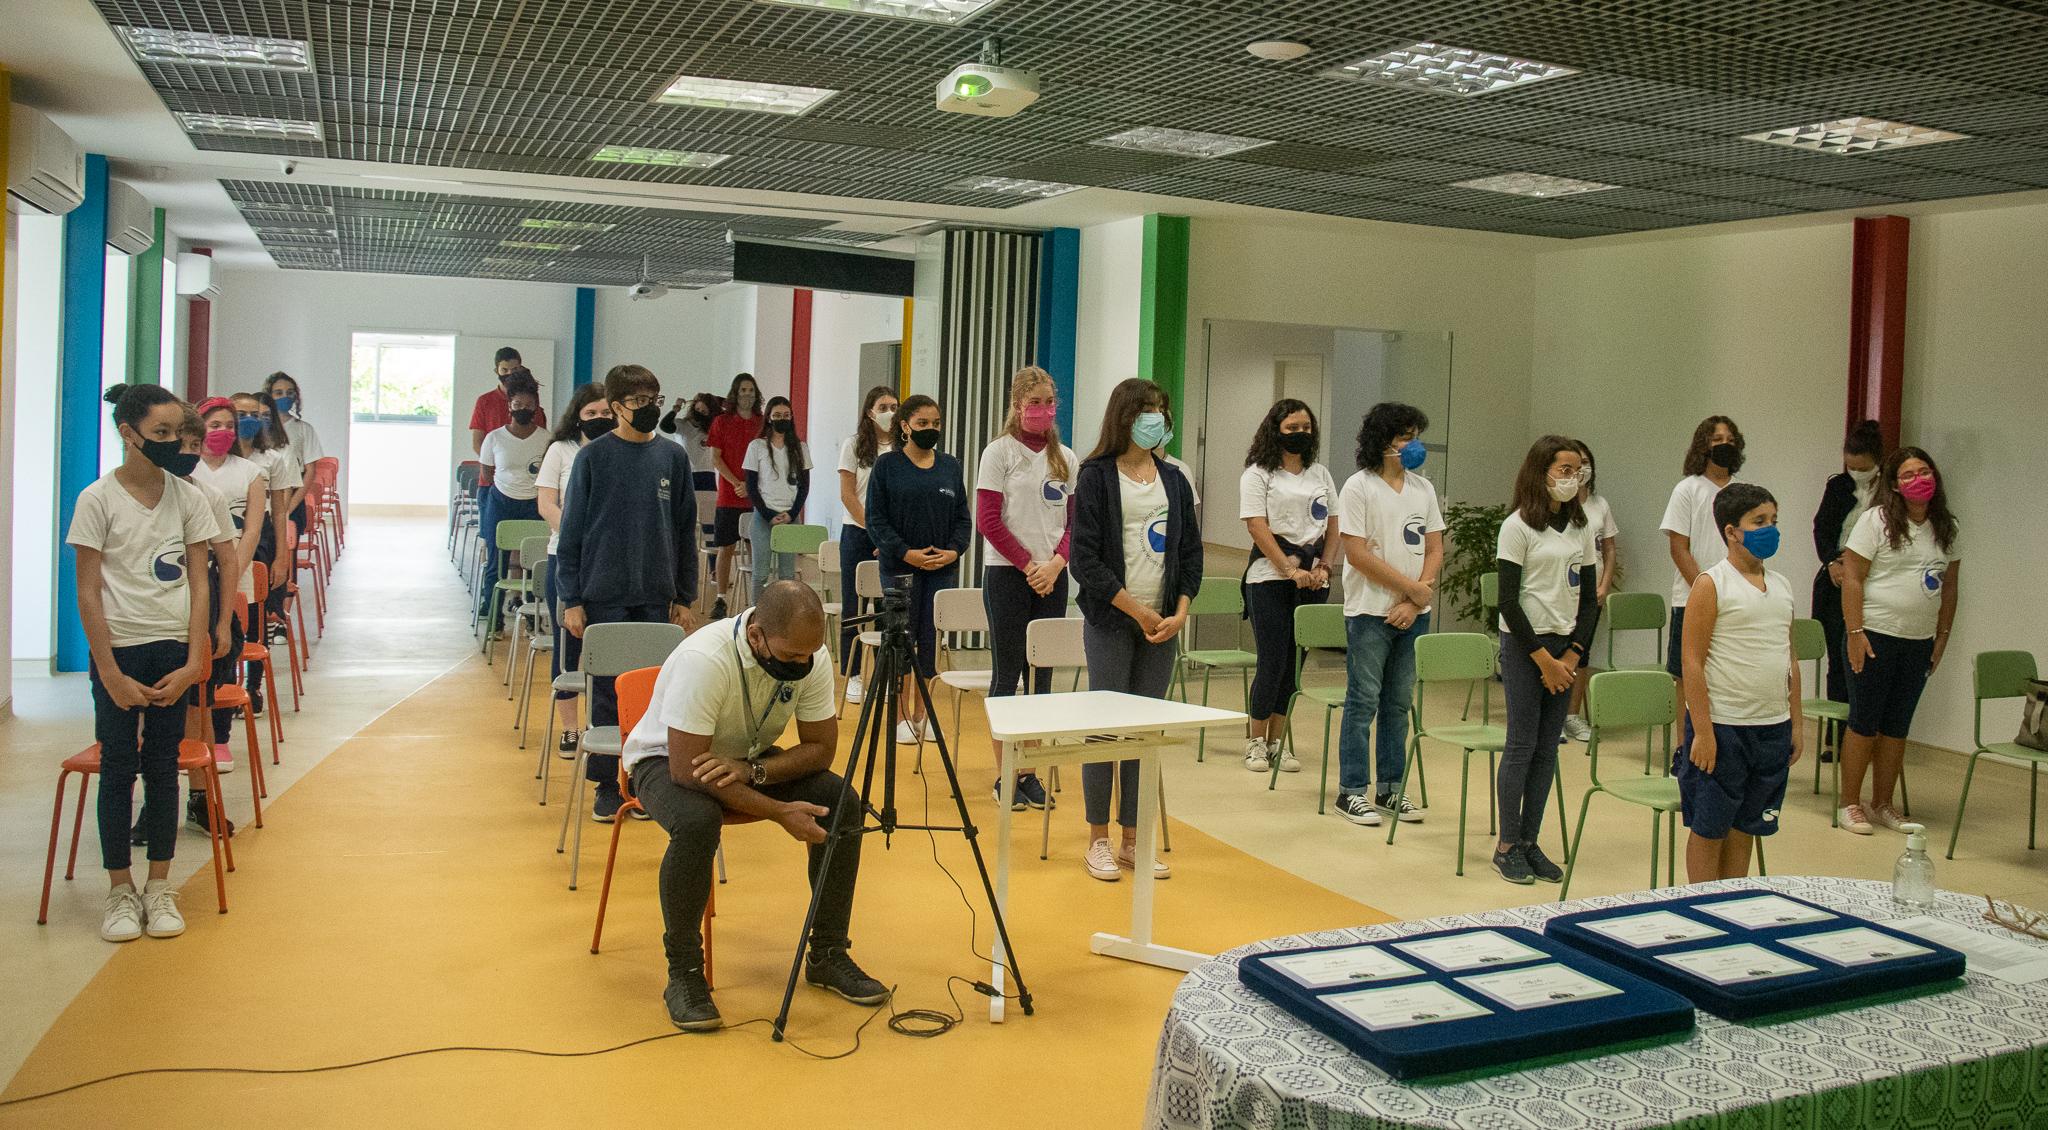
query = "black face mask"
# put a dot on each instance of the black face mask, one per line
(1297, 443)
(927, 438)
(522, 416)
(165, 454)
(783, 671)
(786, 427)
(1727, 456)
(645, 417)
(596, 426)
(181, 464)
(701, 420)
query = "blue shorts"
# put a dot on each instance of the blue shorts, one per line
(1747, 786)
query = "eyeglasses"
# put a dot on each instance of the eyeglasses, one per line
(635, 403)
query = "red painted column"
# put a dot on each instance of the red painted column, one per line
(1877, 324)
(800, 359)
(198, 343)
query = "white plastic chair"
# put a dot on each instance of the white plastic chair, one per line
(828, 591)
(959, 610)
(867, 587)
(1052, 644)
(608, 650)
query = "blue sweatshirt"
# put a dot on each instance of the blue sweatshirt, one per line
(910, 507)
(629, 526)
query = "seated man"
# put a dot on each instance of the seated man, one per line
(703, 748)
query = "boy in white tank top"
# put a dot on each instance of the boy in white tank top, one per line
(1741, 692)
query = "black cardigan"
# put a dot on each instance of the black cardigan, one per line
(1836, 503)
(1098, 541)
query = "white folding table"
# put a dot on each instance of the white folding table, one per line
(1085, 726)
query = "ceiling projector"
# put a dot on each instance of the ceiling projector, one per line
(987, 91)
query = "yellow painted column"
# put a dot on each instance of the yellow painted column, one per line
(903, 360)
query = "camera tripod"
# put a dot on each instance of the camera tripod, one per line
(874, 743)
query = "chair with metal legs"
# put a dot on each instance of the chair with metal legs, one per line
(1218, 596)
(955, 611)
(609, 650)
(1317, 627)
(1053, 644)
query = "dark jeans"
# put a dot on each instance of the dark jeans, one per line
(1121, 659)
(1827, 608)
(854, 548)
(141, 741)
(924, 589)
(499, 508)
(1270, 606)
(602, 769)
(1883, 696)
(1012, 606)
(225, 671)
(1674, 650)
(1535, 723)
(568, 653)
(693, 821)
(1379, 685)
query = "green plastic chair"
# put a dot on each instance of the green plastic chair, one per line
(2001, 674)
(1489, 611)
(1316, 626)
(1627, 700)
(1830, 718)
(510, 534)
(1636, 612)
(1218, 596)
(795, 539)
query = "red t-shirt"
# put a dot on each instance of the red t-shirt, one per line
(492, 413)
(730, 434)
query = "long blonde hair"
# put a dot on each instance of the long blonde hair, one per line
(1030, 377)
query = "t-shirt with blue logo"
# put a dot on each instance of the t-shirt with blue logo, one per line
(1296, 507)
(1552, 562)
(1902, 594)
(1034, 500)
(1396, 523)
(514, 461)
(1145, 516)
(143, 572)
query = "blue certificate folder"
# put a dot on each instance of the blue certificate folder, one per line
(1745, 954)
(1462, 1000)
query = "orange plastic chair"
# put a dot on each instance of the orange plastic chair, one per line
(304, 559)
(260, 578)
(329, 470)
(295, 636)
(257, 653)
(234, 697)
(193, 757)
(635, 689)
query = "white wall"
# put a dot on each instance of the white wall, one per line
(9, 253)
(1240, 382)
(840, 325)
(774, 317)
(300, 322)
(1106, 322)
(35, 267)
(694, 341)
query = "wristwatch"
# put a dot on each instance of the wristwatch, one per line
(759, 775)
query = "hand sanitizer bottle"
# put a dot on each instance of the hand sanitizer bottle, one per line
(1913, 876)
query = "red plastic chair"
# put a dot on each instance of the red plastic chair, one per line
(193, 757)
(635, 689)
(260, 577)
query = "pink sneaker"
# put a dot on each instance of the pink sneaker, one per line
(223, 761)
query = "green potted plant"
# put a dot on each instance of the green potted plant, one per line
(1472, 532)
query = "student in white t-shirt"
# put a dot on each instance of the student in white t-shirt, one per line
(305, 442)
(138, 532)
(1899, 591)
(1715, 455)
(873, 434)
(690, 425)
(1287, 500)
(260, 438)
(1742, 677)
(207, 437)
(777, 466)
(1599, 519)
(1393, 534)
(1023, 503)
(1549, 572)
(588, 417)
(511, 458)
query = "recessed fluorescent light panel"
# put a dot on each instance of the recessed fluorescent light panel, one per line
(1533, 184)
(230, 125)
(734, 94)
(1180, 142)
(263, 209)
(673, 158)
(534, 245)
(205, 49)
(1447, 70)
(563, 225)
(929, 11)
(1012, 186)
(1845, 136)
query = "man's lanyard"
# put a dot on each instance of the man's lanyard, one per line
(782, 693)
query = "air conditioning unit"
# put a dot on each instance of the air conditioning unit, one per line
(45, 168)
(131, 224)
(195, 276)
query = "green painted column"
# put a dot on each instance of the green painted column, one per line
(1163, 313)
(146, 311)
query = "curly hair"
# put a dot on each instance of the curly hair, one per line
(1703, 439)
(1265, 450)
(1381, 424)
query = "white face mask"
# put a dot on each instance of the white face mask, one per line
(1565, 489)
(883, 417)
(1863, 479)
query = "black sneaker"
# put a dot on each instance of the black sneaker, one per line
(138, 837)
(566, 750)
(689, 1002)
(1017, 801)
(1358, 808)
(718, 608)
(1512, 866)
(835, 970)
(605, 807)
(1540, 865)
(1399, 807)
(1032, 791)
(1827, 757)
(198, 815)
(256, 702)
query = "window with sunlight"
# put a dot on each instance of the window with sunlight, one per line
(401, 389)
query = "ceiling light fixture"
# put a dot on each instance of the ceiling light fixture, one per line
(254, 207)
(537, 223)
(1180, 142)
(266, 231)
(950, 12)
(672, 158)
(536, 245)
(1845, 137)
(234, 125)
(735, 94)
(1014, 186)
(205, 49)
(1447, 70)
(1278, 50)
(1533, 184)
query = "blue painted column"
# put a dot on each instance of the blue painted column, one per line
(585, 351)
(79, 407)
(1059, 288)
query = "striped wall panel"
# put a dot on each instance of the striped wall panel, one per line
(988, 331)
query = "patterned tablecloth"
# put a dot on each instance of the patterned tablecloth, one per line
(1974, 1056)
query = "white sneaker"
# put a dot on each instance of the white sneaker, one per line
(160, 907)
(123, 920)
(1576, 728)
(1887, 816)
(854, 689)
(1127, 858)
(1358, 808)
(1285, 754)
(1852, 819)
(223, 761)
(908, 732)
(1101, 862)
(1256, 756)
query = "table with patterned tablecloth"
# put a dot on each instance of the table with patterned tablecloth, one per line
(1972, 1056)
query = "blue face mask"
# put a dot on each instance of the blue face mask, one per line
(1150, 430)
(1762, 542)
(285, 404)
(1413, 453)
(248, 427)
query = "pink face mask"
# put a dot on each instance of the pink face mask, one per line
(1918, 490)
(219, 442)
(1036, 418)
